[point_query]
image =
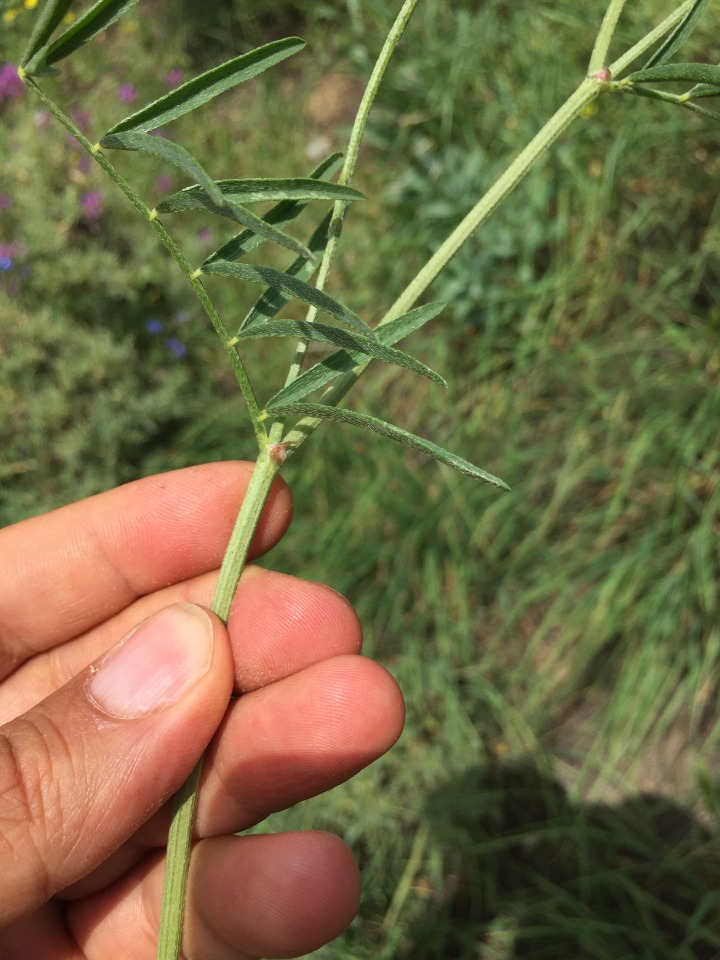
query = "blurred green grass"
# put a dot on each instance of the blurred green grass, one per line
(555, 792)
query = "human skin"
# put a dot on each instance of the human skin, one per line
(87, 766)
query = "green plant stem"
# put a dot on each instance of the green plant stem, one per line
(150, 216)
(586, 92)
(177, 863)
(266, 469)
(185, 802)
(598, 57)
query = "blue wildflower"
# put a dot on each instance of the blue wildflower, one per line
(176, 346)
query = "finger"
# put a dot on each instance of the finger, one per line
(259, 896)
(76, 567)
(295, 739)
(278, 626)
(80, 771)
(279, 746)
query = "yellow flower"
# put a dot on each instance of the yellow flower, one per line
(30, 4)
(9, 16)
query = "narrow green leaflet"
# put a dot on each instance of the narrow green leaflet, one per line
(703, 90)
(97, 19)
(679, 35)
(51, 16)
(270, 303)
(200, 89)
(172, 152)
(257, 191)
(296, 288)
(345, 360)
(693, 72)
(322, 333)
(323, 412)
(284, 212)
(238, 214)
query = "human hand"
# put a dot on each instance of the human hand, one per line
(94, 743)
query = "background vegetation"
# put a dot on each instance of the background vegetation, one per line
(555, 793)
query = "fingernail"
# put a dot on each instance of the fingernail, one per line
(155, 664)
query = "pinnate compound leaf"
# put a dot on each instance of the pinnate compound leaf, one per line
(345, 360)
(321, 333)
(97, 19)
(284, 212)
(51, 16)
(210, 84)
(172, 152)
(296, 288)
(679, 35)
(692, 72)
(323, 412)
(257, 191)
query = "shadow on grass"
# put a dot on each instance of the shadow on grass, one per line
(531, 874)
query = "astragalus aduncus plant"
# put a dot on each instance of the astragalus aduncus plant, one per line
(288, 414)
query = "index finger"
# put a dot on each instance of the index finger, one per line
(71, 569)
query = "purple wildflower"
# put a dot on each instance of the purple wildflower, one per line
(176, 346)
(6, 262)
(173, 77)
(11, 86)
(81, 118)
(153, 325)
(92, 204)
(5, 202)
(163, 183)
(126, 93)
(205, 235)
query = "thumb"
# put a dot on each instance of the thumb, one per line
(83, 769)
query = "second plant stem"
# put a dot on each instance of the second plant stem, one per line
(587, 91)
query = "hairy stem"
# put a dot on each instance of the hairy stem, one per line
(185, 802)
(598, 57)
(266, 469)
